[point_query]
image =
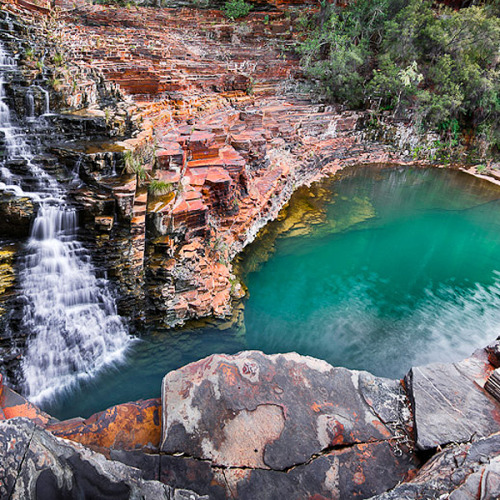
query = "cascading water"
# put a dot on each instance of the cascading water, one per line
(68, 312)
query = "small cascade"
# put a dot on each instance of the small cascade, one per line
(69, 313)
(17, 169)
(46, 102)
(30, 106)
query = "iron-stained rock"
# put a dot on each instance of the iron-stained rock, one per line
(270, 412)
(129, 426)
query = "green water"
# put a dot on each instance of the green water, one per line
(380, 270)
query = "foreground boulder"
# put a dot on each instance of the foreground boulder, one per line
(35, 464)
(450, 404)
(283, 423)
(254, 426)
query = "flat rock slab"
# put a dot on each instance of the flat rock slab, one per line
(449, 404)
(36, 465)
(270, 412)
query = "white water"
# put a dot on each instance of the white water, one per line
(69, 313)
(30, 106)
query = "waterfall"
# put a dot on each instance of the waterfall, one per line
(30, 106)
(46, 101)
(69, 313)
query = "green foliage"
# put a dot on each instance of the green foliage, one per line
(403, 54)
(58, 59)
(234, 9)
(55, 83)
(134, 166)
(29, 54)
(159, 188)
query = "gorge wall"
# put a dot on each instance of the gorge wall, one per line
(179, 134)
(178, 137)
(183, 135)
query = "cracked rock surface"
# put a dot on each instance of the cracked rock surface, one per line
(252, 423)
(450, 405)
(254, 426)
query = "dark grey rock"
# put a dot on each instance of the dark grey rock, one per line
(270, 412)
(461, 472)
(359, 471)
(35, 464)
(15, 439)
(384, 396)
(449, 406)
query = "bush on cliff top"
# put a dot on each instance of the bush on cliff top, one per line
(403, 54)
(234, 9)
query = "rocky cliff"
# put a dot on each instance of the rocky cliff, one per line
(185, 137)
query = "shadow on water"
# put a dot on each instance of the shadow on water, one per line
(378, 269)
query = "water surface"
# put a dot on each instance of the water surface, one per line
(379, 270)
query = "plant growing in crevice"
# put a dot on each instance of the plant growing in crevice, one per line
(29, 54)
(159, 188)
(58, 59)
(132, 165)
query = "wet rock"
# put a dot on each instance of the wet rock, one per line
(463, 472)
(271, 412)
(35, 464)
(449, 403)
(16, 215)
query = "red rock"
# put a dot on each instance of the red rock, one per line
(14, 405)
(129, 426)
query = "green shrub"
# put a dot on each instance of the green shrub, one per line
(134, 166)
(234, 9)
(406, 55)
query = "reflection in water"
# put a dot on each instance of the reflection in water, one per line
(380, 270)
(401, 271)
